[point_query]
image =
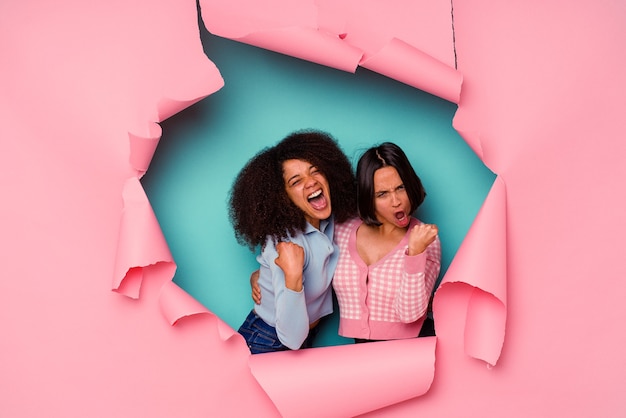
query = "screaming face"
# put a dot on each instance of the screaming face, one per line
(308, 189)
(391, 200)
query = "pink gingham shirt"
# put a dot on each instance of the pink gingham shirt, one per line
(388, 299)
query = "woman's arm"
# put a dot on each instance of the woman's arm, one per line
(286, 262)
(422, 264)
(256, 289)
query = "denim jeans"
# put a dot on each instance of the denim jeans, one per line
(262, 338)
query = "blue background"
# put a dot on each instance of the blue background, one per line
(265, 97)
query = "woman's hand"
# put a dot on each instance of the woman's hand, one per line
(256, 289)
(291, 260)
(421, 236)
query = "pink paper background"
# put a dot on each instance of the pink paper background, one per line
(536, 289)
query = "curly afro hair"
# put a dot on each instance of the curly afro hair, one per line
(258, 203)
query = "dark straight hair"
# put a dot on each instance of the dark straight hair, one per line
(386, 154)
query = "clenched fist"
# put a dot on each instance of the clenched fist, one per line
(421, 236)
(291, 260)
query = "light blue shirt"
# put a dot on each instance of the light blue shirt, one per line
(291, 312)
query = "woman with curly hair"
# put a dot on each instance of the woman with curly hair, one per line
(286, 201)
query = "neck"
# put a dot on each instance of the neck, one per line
(315, 223)
(387, 230)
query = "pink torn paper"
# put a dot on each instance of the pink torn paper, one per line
(379, 47)
(282, 26)
(370, 25)
(141, 243)
(142, 148)
(177, 304)
(472, 139)
(406, 40)
(480, 263)
(168, 106)
(409, 65)
(348, 380)
(535, 95)
(376, 36)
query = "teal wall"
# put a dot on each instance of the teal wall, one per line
(267, 96)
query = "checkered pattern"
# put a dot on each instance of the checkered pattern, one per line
(387, 291)
(347, 278)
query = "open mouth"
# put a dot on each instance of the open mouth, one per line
(317, 200)
(401, 216)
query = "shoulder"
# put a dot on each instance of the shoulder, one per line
(270, 244)
(347, 226)
(344, 230)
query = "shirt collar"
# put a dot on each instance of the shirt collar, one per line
(324, 223)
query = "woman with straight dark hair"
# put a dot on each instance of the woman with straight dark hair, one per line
(389, 261)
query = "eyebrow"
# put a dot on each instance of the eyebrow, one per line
(386, 190)
(292, 177)
(312, 166)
